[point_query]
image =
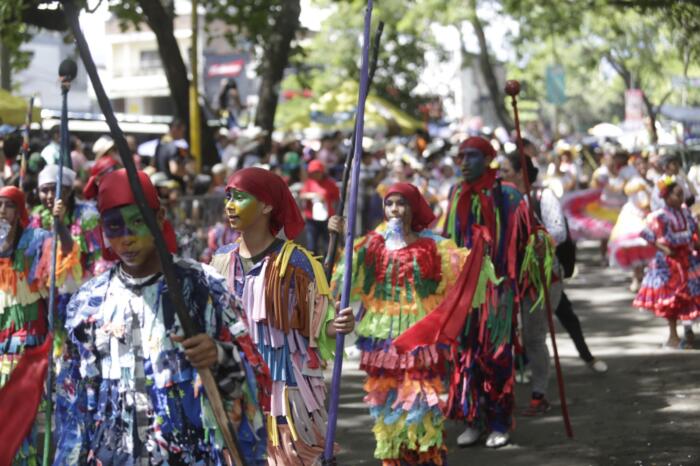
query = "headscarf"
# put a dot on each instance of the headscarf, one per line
(114, 191)
(102, 166)
(49, 175)
(422, 214)
(17, 197)
(326, 187)
(316, 166)
(269, 188)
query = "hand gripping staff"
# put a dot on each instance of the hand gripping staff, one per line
(329, 260)
(328, 457)
(212, 392)
(513, 89)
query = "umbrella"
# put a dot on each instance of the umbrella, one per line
(13, 110)
(606, 130)
(148, 148)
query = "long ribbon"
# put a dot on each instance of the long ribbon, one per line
(328, 457)
(174, 288)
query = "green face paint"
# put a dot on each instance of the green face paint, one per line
(242, 209)
(124, 221)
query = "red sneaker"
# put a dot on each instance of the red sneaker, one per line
(537, 407)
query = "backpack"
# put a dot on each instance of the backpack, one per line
(566, 250)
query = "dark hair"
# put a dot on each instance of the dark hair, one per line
(177, 121)
(515, 161)
(667, 189)
(11, 146)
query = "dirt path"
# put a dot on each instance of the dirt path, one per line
(644, 411)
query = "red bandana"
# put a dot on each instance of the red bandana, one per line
(17, 197)
(102, 166)
(114, 191)
(422, 214)
(270, 189)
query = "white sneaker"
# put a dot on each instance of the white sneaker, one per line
(469, 437)
(596, 365)
(497, 439)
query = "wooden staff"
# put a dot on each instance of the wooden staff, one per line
(513, 89)
(173, 286)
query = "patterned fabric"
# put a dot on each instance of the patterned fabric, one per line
(671, 285)
(286, 300)
(483, 362)
(129, 396)
(589, 217)
(24, 279)
(398, 288)
(626, 248)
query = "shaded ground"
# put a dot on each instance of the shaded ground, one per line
(644, 411)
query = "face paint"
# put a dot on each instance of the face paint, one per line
(473, 165)
(124, 221)
(129, 237)
(242, 209)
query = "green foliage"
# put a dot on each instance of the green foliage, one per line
(334, 53)
(13, 34)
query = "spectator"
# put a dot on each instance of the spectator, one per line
(52, 151)
(167, 150)
(320, 194)
(77, 156)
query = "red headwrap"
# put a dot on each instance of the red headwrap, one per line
(114, 191)
(102, 166)
(17, 197)
(270, 189)
(422, 214)
(316, 166)
(480, 144)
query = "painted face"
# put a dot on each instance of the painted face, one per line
(473, 164)
(396, 206)
(128, 235)
(242, 209)
(47, 193)
(8, 210)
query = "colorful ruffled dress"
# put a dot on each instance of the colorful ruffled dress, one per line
(398, 288)
(671, 285)
(592, 213)
(24, 282)
(626, 248)
(483, 375)
(129, 394)
(287, 304)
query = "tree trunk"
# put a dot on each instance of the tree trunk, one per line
(5, 69)
(161, 23)
(487, 71)
(274, 62)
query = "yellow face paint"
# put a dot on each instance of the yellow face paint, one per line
(242, 209)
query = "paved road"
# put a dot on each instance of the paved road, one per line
(645, 411)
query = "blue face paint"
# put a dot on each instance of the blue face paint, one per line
(473, 164)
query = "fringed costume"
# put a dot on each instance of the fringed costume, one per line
(397, 288)
(129, 395)
(24, 290)
(287, 303)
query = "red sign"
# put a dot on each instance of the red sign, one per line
(229, 69)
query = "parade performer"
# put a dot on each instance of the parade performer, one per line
(549, 215)
(25, 256)
(132, 389)
(592, 213)
(627, 249)
(287, 302)
(77, 218)
(671, 285)
(401, 271)
(483, 369)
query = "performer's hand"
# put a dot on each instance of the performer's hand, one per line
(336, 224)
(344, 322)
(200, 350)
(59, 209)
